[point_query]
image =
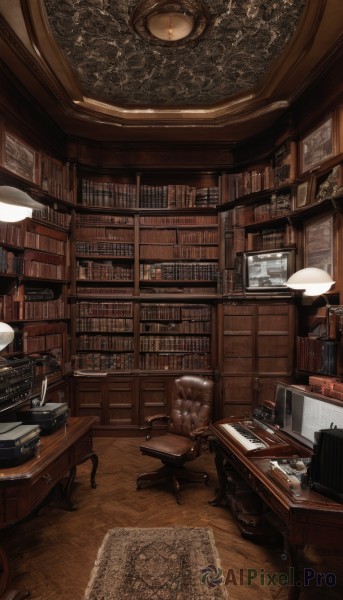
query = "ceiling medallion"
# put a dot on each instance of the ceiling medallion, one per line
(168, 23)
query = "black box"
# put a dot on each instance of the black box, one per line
(49, 417)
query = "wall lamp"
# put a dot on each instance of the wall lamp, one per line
(316, 282)
(311, 281)
(6, 336)
(16, 205)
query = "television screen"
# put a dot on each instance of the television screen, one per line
(268, 270)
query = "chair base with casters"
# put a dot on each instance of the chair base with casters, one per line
(172, 474)
(186, 434)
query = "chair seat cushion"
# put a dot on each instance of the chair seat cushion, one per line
(168, 448)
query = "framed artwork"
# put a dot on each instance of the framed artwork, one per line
(303, 194)
(319, 244)
(317, 146)
(20, 158)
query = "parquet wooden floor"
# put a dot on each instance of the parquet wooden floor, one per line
(53, 552)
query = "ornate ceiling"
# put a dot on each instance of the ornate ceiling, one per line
(116, 66)
(86, 64)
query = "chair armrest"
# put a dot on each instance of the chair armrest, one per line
(151, 420)
(162, 420)
(200, 432)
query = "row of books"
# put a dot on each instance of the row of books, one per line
(54, 309)
(43, 270)
(173, 343)
(103, 219)
(178, 196)
(103, 291)
(175, 312)
(174, 362)
(44, 243)
(100, 232)
(235, 185)
(94, 361)
(46, 213)
(178, 220)
(41, 343)
(179, 271)
(104, 309)
(269, 239)
(105, 248)
(57, 178)
(106, 343)
(177, 251)
(108, 194)
(10, 264)
(104, 324)
(10, 234)
(93, 270)
(244, 215)
(182, 327)
(309, 354)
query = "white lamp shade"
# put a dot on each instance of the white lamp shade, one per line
(6, 335)
(12, 214)
(15, 205)
(312, 281)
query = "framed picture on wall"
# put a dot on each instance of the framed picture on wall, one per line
(319, 244)
(20, 158)
(317, 146)
(302, 195)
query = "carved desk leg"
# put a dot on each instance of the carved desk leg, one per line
(4, 580)
(94, 458)
(220, 462)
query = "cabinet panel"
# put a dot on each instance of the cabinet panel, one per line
(236, 395)
(258, 341)
(121, 407)
(88, 397)
(153, 396)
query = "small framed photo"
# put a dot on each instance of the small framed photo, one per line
(317, 146)
(319, 243)
(303, 194)
(20, 158)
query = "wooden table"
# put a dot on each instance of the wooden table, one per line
(24, 487)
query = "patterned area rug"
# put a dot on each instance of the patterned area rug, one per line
(157, 564)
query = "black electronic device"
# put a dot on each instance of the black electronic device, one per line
(16, 379)
(326, 472)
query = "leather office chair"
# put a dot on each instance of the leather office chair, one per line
(185, 436)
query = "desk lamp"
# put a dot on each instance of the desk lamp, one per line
(16, 205)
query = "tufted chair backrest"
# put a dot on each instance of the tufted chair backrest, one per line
(191, 407)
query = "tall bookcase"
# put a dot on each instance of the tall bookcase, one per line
(35, 278)
(144, 288)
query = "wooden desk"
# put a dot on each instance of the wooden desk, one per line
(24, 487)
(308, 518)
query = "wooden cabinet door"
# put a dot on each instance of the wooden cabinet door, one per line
(154, 396)
(88, 397)
(121, 406)
(257, 350)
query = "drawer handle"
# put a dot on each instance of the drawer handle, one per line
(47, 478)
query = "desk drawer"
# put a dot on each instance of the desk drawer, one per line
(50, 477)
(83, 447)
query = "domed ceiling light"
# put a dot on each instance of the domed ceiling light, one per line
(169, 23)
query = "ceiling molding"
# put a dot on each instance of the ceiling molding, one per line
(48, 75)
